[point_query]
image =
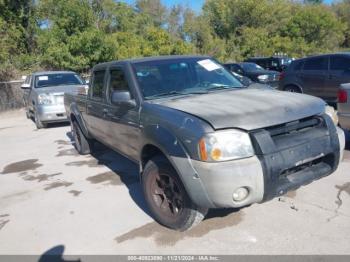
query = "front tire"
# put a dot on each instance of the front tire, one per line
(38, 122)
(167, 198)
(82, 144)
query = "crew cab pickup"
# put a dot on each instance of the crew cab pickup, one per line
(201, 139)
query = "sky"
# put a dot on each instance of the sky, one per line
(196, 4)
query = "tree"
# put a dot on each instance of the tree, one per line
(342, 10)
(154, 9)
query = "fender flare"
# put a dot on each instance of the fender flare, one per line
(175, 152)
(76, 113)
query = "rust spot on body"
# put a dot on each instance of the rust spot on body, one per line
(167, 237)
(21, 166)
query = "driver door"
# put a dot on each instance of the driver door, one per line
(122, 118)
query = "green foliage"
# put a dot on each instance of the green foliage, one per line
(77, 34)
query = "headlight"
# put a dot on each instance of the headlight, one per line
(45, 99)
(329, 110)
(263, 78)
(225, 145)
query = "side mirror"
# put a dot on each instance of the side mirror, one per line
(25, 86)
(124, 97)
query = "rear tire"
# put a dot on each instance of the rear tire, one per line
(167, 198)
(292, 89)
(28, 114)
(82, 144)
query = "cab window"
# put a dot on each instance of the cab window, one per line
(118, 81)
(97, 84)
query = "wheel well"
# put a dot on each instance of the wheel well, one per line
(295, 86)
(148, 152)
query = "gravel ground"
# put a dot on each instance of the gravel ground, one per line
(54, 200)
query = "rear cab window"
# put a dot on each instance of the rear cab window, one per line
(97, 85)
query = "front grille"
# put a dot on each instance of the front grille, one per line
(296, 153)
(295, 126)
(328, 159)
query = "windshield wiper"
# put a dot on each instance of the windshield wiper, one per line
(220, 87)
(171, 93)
(175, 93)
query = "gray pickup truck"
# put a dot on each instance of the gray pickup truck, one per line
(201, 139)
(344, 106)
(44, 94)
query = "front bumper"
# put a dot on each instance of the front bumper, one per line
(51, 113)
(344, 120)
(282, 163)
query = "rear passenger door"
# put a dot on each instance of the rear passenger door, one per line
(123, 118)
(314, 74)
(95, 105)
(339, 73)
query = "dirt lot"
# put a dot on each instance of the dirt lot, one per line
(51, 198)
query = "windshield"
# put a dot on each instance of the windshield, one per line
(250, 67)
(57, 80)
(182, 76)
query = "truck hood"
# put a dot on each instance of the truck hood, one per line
(59, 89)
(248, 109)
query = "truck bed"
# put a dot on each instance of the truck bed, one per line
(74, 99)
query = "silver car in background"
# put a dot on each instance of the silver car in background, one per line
(44, 95)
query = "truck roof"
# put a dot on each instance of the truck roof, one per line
(52, 72)
(148, 59)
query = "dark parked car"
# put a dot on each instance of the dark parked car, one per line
(320, 76)
(255, 73)
(344, 106)
(276, 63)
